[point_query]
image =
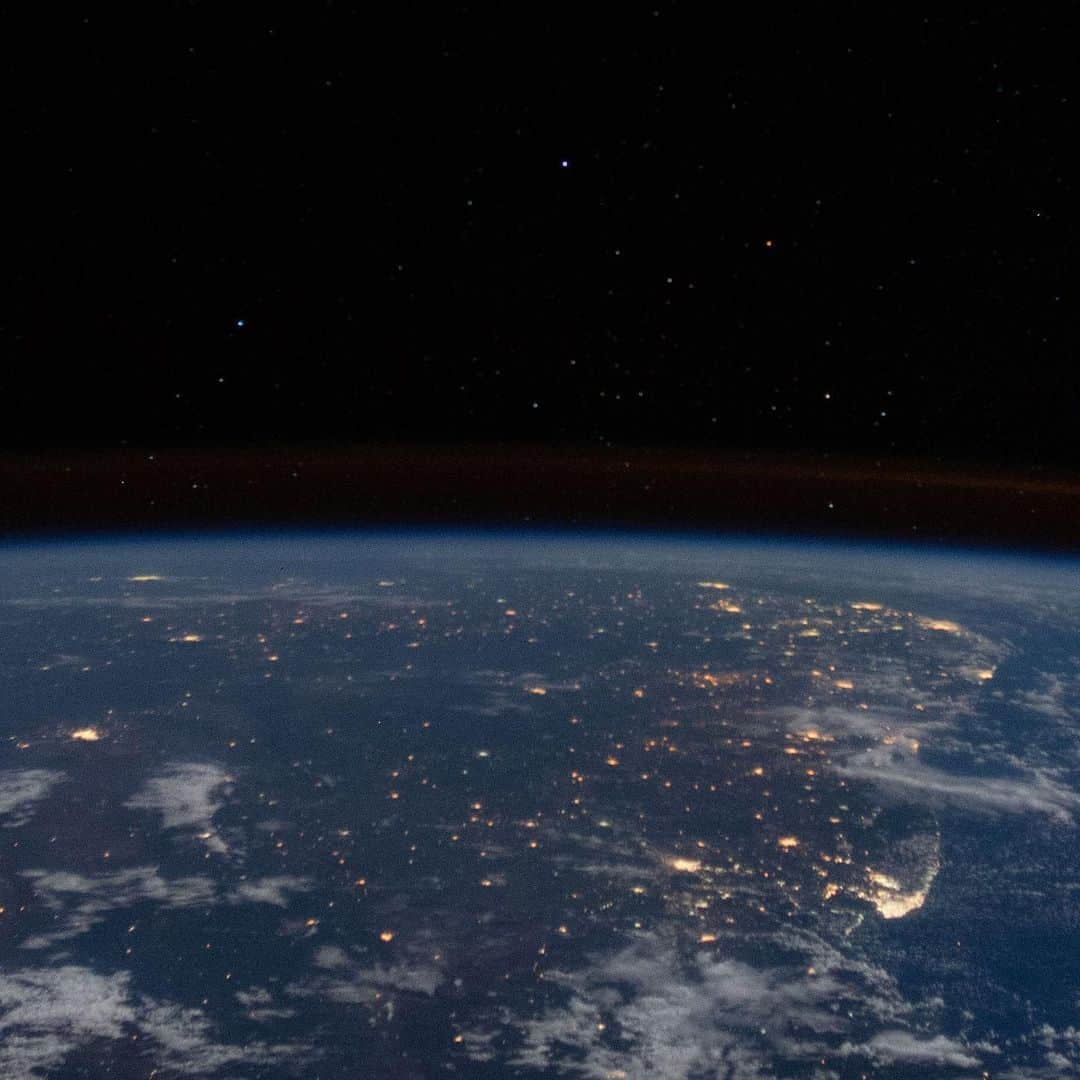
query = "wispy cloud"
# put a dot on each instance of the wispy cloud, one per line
(187, 795)
(46, 1014)
(885, 746)
(259, 1003)
(269, 890)
(1049, 699)
(650, 1011)
(78, 902)
(1032, 791)
(341, 978)
(186, 1043)
(905, 1048)
(22, 789)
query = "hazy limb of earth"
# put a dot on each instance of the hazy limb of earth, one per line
(416, 805)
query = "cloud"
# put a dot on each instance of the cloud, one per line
(1049, 700)
(891, 1047)
(258, 1001)
(723, 1015)
(79, 902)
(343, 980)
(506, 692)
(124, 887)
(894, 762)
(894, 769)
(269, 890)
(46, 1014)
(187, 796)
(329, 957)
(850, 723)
(185, 1041)
(650, 1010)
(22, 789)
(360, 985)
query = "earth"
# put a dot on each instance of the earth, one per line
(488, 805)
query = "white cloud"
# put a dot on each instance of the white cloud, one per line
(122, 888)
(187, 796)
(80, 902)
(257, 995)
(1048, 700)
(359, 985)
(899, 737)
(650, 1010)
(905, 773)
(343, 980)
(22, 789)
(48, 1013)
(329, 957)
(185, 1041)
(890, 1047)
(269, 890)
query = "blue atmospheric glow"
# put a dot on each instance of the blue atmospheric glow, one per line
(463, 542)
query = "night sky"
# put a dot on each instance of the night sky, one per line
(802, 232)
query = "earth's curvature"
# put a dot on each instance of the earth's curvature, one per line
(423, 805)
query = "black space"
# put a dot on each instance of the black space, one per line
(754, 213)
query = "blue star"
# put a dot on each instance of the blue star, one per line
(564, 164)
(241, 323)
